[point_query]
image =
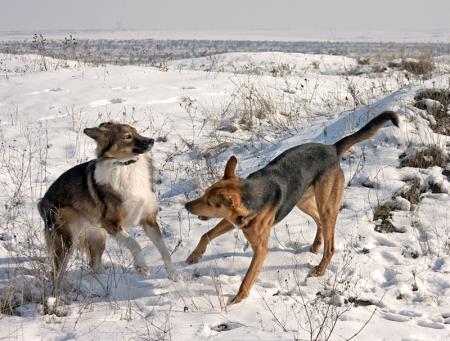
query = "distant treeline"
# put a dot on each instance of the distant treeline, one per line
(150, 51)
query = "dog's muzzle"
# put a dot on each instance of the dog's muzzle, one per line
(143, 145)
(189, 206)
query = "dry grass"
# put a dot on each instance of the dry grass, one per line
(385, 227)
(364, 61)
(254, 103)
(441, 119)
(431, 155)
(423, 66)
(384, 213)
(412, 191)
(8, 301)
(420, 64)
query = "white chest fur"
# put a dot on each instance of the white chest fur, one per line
(133, 183)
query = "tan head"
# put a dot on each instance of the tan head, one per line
(222, 199)
(118, 141)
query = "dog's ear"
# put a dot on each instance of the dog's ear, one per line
(232, 200)
(230, 168)
(95, 133)
(106, 125)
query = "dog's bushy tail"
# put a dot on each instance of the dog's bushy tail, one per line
(48, 215)
(367, 131)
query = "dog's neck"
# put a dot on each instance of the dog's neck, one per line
(125, 163)
(243, 220)
(118, 162)
(256, 194)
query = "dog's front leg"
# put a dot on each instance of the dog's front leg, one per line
(124, 239)
(221, 228)
(259, 241)
(153, 232)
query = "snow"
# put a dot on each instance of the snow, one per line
(401, 278)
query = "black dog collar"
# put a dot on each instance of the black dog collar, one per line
(125, 163)
(243, 221)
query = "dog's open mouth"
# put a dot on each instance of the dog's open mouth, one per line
(140, 150)
(203, 217)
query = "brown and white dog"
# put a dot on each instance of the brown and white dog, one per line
(307, 176)
(110, 193)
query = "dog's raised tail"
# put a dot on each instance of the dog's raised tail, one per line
(47, 214)
(367, 131)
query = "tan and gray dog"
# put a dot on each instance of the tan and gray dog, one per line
(308, 176)
(109, 193)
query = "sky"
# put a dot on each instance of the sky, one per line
(235, 15)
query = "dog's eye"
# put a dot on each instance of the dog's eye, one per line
(127, 137)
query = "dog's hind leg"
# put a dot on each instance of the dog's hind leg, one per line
(153, 232)
(59, 244)
(308, 205)
(221, 228)
(59, 247)
(328, 192)
(95, 243)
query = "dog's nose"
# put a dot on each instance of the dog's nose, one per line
(188, 205)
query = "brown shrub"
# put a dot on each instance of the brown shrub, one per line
(382, 212)
(364, 61)
(385, 227)
(431, 155)
(424, 65)
(412, 191)
(440, 95)
(441, 123)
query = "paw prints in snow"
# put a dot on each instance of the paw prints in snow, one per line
(102, 102)
(45, 91)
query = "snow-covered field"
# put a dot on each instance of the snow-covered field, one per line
(379, 286)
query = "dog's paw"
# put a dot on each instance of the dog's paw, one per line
(99, 270)
(140, 265)
(56, 307)
(316, 272)
(173, 275)
(315, 247)
(142, 269)
(238, 298)
(193, 258)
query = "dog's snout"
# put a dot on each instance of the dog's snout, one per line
(145, 141)
(188, 205)
(143, 144)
